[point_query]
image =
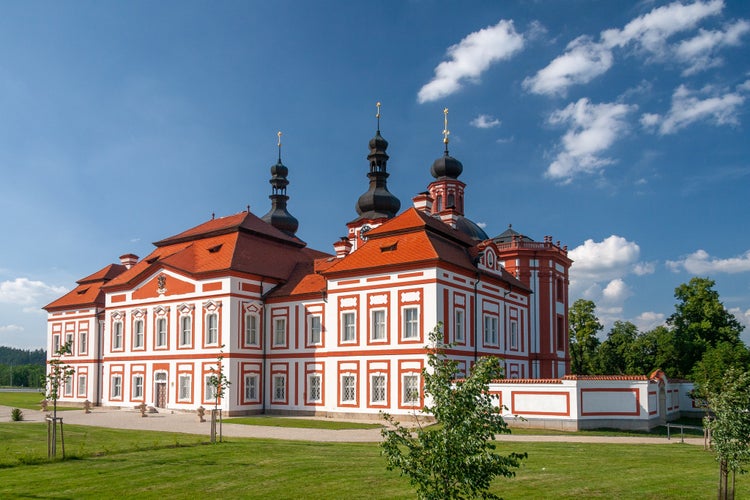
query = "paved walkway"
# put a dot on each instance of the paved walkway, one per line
(188, 423)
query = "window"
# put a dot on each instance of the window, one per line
(315, 330)
(55, 344)
(279, 388)
(377, 389)
(117, 335)
(490, 330)
(377, 324)
(83, 342)
(348, 389)
(68, 389)
(251, 387)
(411, 322)
(314, 388)
(138, 334)
(212, 329)
(186, 387)
(410, 393)
(211, 394)
(513, 335)
(69, 342)
(251, 329)
(137, 388)
(186, 326)
(116, 390)
(458, 331)
(348, 327)
(81, 385)
(161, 332)
(279, 331)
(561, 333)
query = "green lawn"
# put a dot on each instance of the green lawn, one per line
(122, 463)
(26, 400)
(300, 423)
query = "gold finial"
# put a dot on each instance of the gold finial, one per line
(377, 115)
(278, 143)
(446, 132)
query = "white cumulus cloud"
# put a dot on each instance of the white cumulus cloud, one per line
(592, 129)
(649, 320)
(585, 58)
(699, 52)
(700, 262)
(23, 291)
(605, 260)
(689, 106)
(471, 57)
(485, 121)
(10, 328)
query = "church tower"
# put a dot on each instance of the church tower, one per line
(278, 216)
(377, 204)
(447, 192)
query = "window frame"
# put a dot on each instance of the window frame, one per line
(314, 382)
(117, 333)
(410, 324)
(254, 386)
(212, 331)
(459, 326)
(348, 329)
(252, 321)
(373, 400)
(278, 388)
(344, 388)
(406, 391)
(161, 340)
(186, 387)
(312, 329)
(491, 335)
(186, 334)
(139, 322)
(115, 387)
(279, 334)
(378, 329)
(135, 386)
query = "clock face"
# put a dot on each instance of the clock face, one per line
(363, 232)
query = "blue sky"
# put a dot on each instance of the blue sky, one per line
(618, 128)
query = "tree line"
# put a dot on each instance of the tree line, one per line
(21, 367)
(700, 340)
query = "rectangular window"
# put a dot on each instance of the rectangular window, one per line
(68, 389)
(348, 327)
(116, 390)
(186, 328)
(69, 342)
(55, 344)
(377, 324)
(138, 334)
(251, 388)
(315, 330)
(513, 335)
(348, 389)
(83, 342)
(279, 388)
(279, 331)
(560, 333)
(377, 389)
(161, 332)
(212, 329)
(117, 335)
(210, 390)
(411, 322)
(81, 385)
(137, 387)
(458, 331)
(314, 388)
(410, 393)
(490, 330)
(251, 329)
(186, 388)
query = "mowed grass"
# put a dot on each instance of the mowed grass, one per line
(300, 423)
(113, 463)
(27, 400)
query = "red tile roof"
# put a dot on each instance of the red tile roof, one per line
(88, 293)
(240, 243)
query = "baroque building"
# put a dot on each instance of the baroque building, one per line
(307, 332)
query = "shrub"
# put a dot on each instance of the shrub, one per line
(16, 415)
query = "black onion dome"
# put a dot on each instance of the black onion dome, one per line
(378, 144)
(446, 166)
(471, 229)
(279, 173)
(281, 219)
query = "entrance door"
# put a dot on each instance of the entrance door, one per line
(160, 391)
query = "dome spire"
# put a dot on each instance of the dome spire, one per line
(446, 132)
(378, 202)
(278, 216)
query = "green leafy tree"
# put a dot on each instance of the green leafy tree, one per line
(700, 321)
(617, 355)
(58, 373)
(709, 373)
(584, 327)
(456, 457)
(730, 427)
(219, 381)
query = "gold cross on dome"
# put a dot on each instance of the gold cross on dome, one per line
(446, 132)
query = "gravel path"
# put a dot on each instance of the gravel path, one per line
(188, 423)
